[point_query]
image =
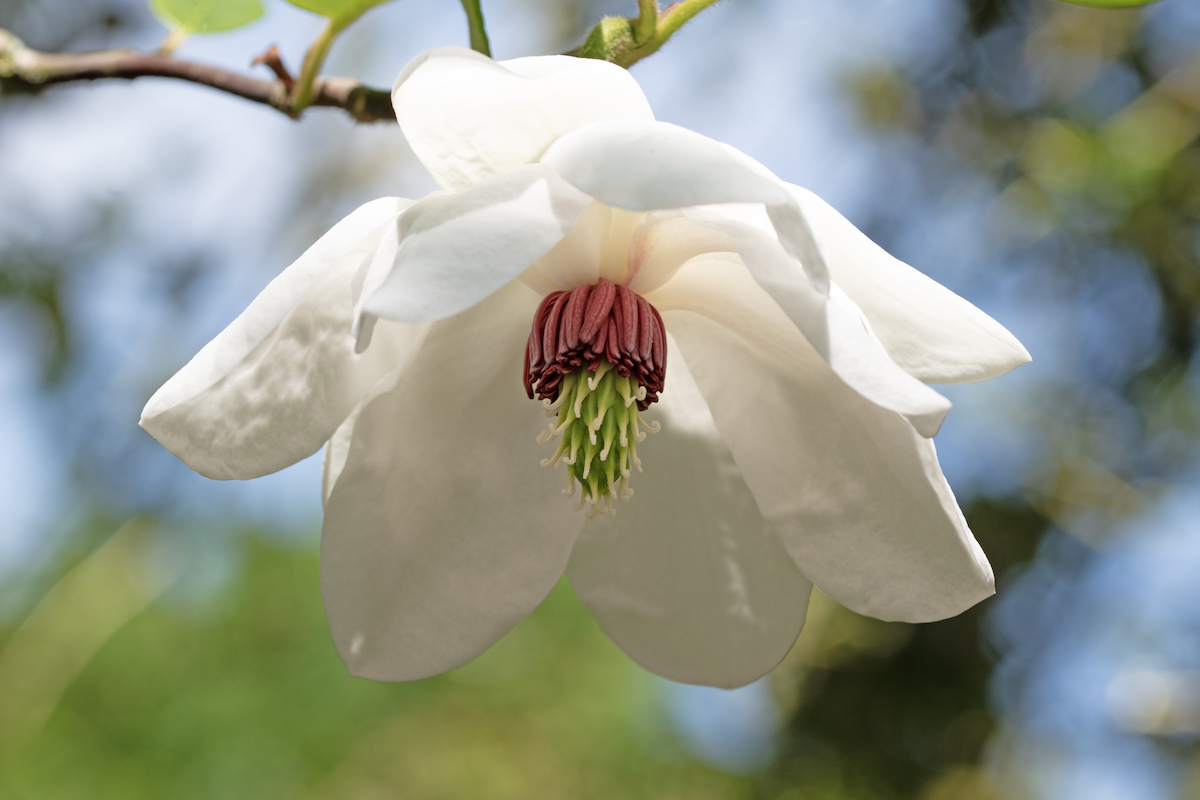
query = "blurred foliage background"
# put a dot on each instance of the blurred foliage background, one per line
(1039, 158)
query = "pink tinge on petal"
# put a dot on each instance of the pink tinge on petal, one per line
(593, 323)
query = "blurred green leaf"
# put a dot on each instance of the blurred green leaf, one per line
(337, 9)
(228, 687)
(207, 16)
(84, 609)
(1110, 3)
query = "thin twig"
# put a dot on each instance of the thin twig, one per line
(25, 69)
(273, 61)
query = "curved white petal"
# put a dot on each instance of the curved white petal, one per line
(451, 250)
(833, 325)
(927, 329)
(273, 386)
(644, 165)
(856, 495)
(688, 578)
(442, 530)
(468, 117)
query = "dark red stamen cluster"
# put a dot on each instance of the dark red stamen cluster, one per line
(591, 323)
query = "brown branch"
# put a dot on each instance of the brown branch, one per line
(25, 69)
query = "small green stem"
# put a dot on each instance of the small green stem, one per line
(646, 25)
(626, 41)
(313, 60)
(479, 38)
(171, 43)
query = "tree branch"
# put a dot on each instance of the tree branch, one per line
(25, 69)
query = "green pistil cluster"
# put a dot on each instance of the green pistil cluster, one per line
(596, 415)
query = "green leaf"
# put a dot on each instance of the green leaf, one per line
(335, 9)
(207, 16)
(1110, 3)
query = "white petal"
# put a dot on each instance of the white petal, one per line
(927, 329)
(442, 530)
(833, 325)
(645, 165)
(688, 578)
(273, 386)
(454, 249)
(467, 117)
(337, 449)
(930, 332)
(856, 495)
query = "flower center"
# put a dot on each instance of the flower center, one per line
(594, 352)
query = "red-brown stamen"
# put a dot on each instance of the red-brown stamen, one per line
(593, 323)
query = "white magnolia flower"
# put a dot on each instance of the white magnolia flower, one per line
(794, 447)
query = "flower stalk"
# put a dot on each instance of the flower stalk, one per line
(625, 41)
(479, 37)
(303, 92)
